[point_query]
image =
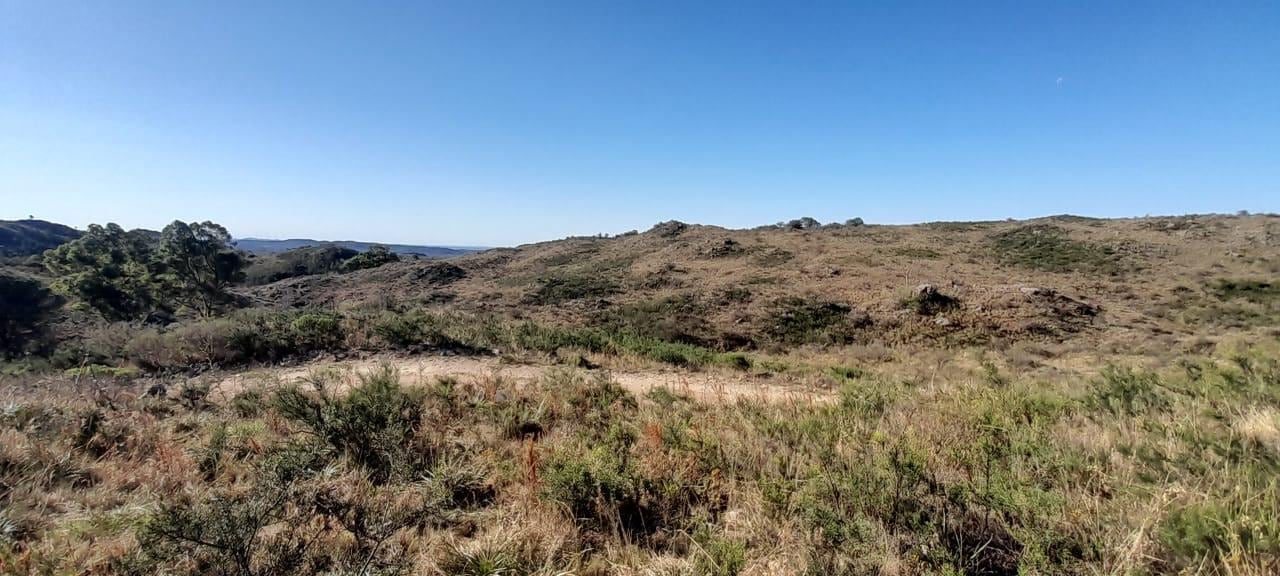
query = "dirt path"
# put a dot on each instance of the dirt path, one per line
(706, 387)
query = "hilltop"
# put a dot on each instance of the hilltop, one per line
(1128, 282)
(30, 237)
(265, 246)
(1061, 395)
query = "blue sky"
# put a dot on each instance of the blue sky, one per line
(494, 123)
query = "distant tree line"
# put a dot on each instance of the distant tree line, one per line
(808, 223)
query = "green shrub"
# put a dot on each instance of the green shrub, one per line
(1243, 524)
(674, 353)
(1126, 392)
(486, 559)
(263, 336)
(249, 336)
(417, 328)
(544, 338)
(847, 372)
(210, 459)
(592, 485)
(100, 371)
(317, 331)
(1050, 248)
(248, 403)
(797, 320)
(721, 557)
(193, 394)
(597, 398)
(1256, 291)
(674, 319)
(735, 360)
(374, 257)
(564, 287)
(375, 424)
(222, 531)
(926, 300)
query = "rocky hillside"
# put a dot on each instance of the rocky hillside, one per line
(1131, 282)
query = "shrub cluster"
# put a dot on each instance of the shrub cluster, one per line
(1050, 248)
(561, 288)
(261, 336)
(306, 261)
(243, 337)
(374, 257)
(798, 320)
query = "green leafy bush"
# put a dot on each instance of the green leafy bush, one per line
(721, 557)
(376, 256)
(1127, 392)
(100, 371)
(375, 424)
(1245, 524)
(561, 288)
(1050, 248)
(417, 329)
(107, 270)
(1256, 291)
(673, 319)
(797, 320)
(317, 331)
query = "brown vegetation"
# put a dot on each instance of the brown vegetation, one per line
(1108, 283)
(1061, 396)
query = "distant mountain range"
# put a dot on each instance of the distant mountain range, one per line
(265, 246)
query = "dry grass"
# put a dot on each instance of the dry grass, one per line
(690, 400)
(1142, 278)
(954, 463)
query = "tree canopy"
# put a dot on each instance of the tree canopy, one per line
(132, 276)
(376, 256)
(199, 266)
(108, 270)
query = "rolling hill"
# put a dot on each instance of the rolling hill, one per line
(29, 237)
(1129, 282)
(266, 246)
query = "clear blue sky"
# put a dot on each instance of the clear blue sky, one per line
(478, 122)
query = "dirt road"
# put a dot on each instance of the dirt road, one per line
(703, 386)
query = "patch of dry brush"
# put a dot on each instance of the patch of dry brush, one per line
(983, 471)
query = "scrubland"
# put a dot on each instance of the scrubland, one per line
(1059, 397)
(973, 467)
